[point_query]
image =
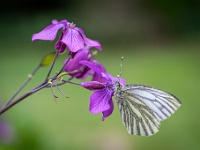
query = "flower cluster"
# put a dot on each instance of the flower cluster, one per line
(71, 37)
(103, 85)
(82, 64)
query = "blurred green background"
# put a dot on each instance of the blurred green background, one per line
(160, 41)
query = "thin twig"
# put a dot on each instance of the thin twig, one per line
(34, 90)
(53, 91)
(61, 91)
(66, 81)
(52, 65)
(30, 76)
(64, 65)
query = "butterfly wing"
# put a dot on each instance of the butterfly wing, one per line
(142, 108)
(163, 104)
(136, 116)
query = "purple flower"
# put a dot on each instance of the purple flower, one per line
(72, 37)
(103, 85)
(77, 70)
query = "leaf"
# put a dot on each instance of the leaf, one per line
(48, 59)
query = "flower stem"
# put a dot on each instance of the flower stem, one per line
(30, 76)
(34, 90)
(64, 65)
(67, 81)
(52, 65)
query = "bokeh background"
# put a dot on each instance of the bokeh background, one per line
(160, 41)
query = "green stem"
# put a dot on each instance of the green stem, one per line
(11, 104)
(67, 81)
(52, 65)
(30, 76)
(64, 65)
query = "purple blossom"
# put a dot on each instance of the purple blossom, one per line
(103, 85)
(77, 70)
(72, 37)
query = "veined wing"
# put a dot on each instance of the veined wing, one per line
(142, 108)
(136, 116)
(163, 104)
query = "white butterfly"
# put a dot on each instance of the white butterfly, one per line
(143, 107)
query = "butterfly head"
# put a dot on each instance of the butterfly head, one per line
(117, 87)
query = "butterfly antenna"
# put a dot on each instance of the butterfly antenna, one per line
(120, 71)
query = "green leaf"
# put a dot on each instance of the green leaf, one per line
(48, 59)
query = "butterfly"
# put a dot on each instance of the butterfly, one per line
(142, 108)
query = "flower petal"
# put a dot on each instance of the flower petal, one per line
(109, 111)
(73, 40)
(74, 64)
(88, 41)
(59, 46)
(96, 76)
(100, 74)
(91, 65)
(93, 85)
(122, 81)
(115, 79)
(49, 33)
(99, 101)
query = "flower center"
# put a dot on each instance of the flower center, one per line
(71, 25)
